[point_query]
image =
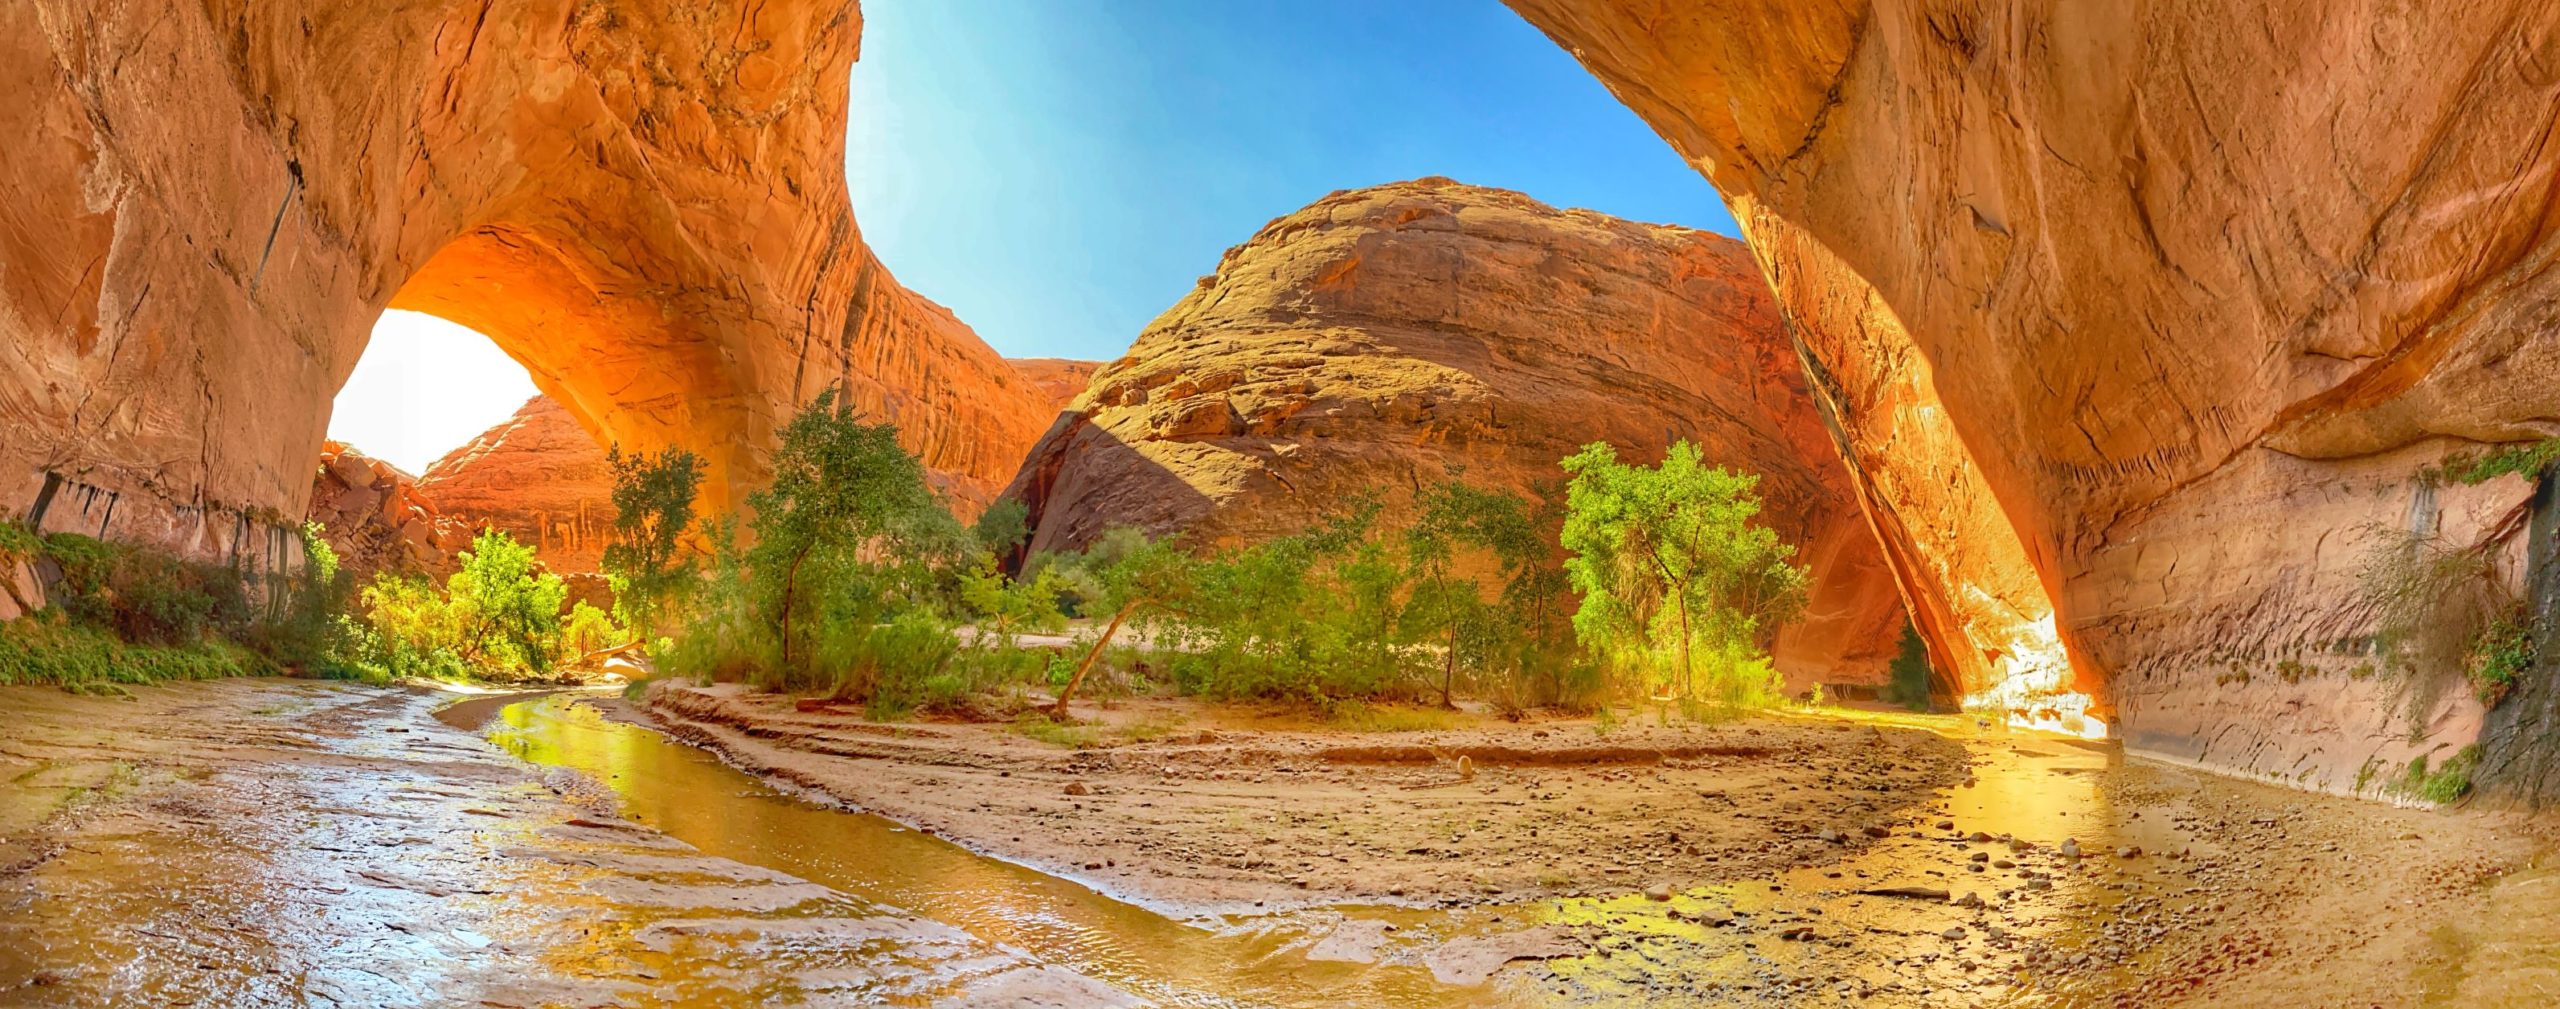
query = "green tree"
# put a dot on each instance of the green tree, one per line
(842, 522)
(1127, 575)
(1486, 585)
(507, 608)
(1673, 570)
(653, 497)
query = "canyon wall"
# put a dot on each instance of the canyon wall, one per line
(1389, 338)
(1060, 379)
(2195, 290)
(205, 206)
(538, 477)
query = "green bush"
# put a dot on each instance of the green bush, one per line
(144, 595)
(1907, 679)
(2502, 655)
(76, 656)
(498, 617)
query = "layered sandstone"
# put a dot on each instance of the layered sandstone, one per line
(205, 207)
(1060, 379)
(1385, 339)
(377, 520)
(2193, 290)
(537, 476)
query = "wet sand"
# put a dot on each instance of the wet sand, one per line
(2188, 888)
(266, 842)
(1197, 809)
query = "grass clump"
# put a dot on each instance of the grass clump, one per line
(2447, 782)
(2529, 460)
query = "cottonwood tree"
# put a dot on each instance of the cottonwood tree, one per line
(1497, 629)
(840, 521)
(1678, 582)
(653, 497)
(1126, 575)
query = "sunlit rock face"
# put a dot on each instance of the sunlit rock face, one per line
(205, 207)
(1058, 378)
(1385, 339)
(538, 477)
(2199, 288)
(377, 520)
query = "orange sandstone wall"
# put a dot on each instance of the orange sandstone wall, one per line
(2193, 289)
(205, 206)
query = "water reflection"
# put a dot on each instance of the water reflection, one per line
(1809, 935)
(691, 796)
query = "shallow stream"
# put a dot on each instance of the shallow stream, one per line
(1807, 938)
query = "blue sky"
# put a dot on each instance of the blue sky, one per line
(1058, 172)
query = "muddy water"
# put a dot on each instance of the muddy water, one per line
(1807, 938)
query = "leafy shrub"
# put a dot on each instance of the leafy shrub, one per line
(1907, 677)
(896, 668)
(2501, 655)
(144, 595)
(498, 616)
(724, 638)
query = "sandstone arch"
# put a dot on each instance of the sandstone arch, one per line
(643, 202)
(2204, 285)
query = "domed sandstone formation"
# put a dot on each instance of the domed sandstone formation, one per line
(2188, 295)
(205, 208)
(1386, 338)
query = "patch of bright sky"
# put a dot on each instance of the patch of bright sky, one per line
(423, 388)
(1059, 172)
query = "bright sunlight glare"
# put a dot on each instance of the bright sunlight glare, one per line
(423, 388)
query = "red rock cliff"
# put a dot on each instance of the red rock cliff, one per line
(540, 478)
(205, 206)
(2187, 294)
(1384, 338)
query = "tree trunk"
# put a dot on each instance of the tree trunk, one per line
(1068, 693)
(1449, 672)
(1688, 676)
(790, 586)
